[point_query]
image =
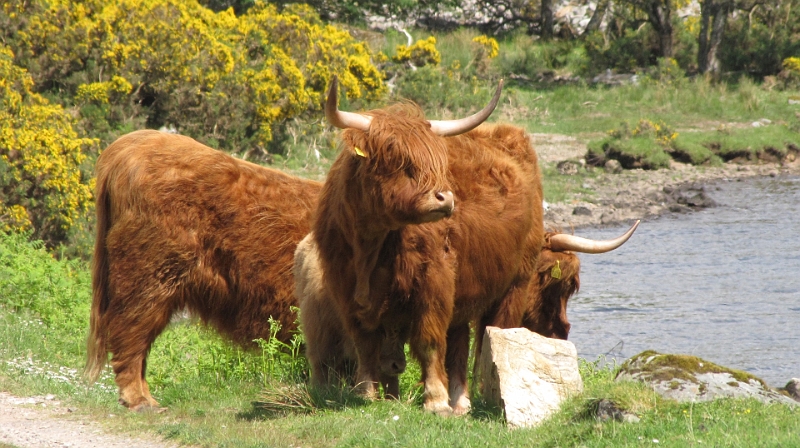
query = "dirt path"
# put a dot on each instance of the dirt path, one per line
(618, 198)
(42, 422)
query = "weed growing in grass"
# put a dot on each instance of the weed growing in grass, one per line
(281, 361)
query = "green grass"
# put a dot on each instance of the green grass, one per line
(218, 395)
(693, 105)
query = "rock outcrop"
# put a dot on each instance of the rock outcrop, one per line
(689, 378)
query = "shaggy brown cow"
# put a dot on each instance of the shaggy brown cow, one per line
(388, 259)
(329, 349)
(183, 226)
(558, 278)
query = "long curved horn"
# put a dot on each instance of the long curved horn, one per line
(562, 241)
(447, 128)
(342, 119)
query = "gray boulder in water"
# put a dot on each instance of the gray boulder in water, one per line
(689, 378)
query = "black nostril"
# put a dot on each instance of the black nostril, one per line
(439, 196)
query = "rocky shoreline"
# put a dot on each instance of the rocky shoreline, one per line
(619, 198)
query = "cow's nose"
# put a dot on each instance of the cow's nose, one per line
(445, 201)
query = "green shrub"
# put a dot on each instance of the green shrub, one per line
(521, 54)
(634, 49)
(752, 46)
(56, 291)
(443, 92)
(645, 146)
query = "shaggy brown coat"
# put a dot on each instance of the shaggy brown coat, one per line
(183, 226)
(381, 270)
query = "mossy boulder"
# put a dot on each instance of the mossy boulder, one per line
(689, 378)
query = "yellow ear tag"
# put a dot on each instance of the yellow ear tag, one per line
(359, 152)
(556, 271)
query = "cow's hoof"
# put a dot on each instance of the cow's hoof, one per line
(461, 410)
(366, 390)
(147, 408)
(461, 406)
(442, 409)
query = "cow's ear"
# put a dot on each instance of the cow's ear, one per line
(358, 152)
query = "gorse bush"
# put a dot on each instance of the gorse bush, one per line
(225, 80)
(421, 52)
(42, 187)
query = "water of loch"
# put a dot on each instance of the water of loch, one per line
(722, 284)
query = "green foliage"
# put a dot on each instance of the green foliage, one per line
(666, 72)
(56, 292)
(757, 43)
(634, 49)
(42, 186)
(644, 146)
(443, 91)
(520, 54)
(789, 77)
(453, 71)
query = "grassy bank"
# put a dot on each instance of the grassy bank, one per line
(218, 395)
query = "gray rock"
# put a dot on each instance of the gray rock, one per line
(613, 166)
(605, 409)
(689, 378)
(568, 167)
(582, 211)
(792, 389)
(527, 375)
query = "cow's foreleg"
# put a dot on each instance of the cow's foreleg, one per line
(368, 350)
(456, 364)
(429, 344)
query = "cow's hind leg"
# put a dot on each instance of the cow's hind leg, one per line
(130, 337)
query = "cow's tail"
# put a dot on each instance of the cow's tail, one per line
(97, 353)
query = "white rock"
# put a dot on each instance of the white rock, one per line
(527, 375)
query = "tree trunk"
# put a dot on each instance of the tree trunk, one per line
(713, 14)
(597, 17)
(547, 19)
(660, 14)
